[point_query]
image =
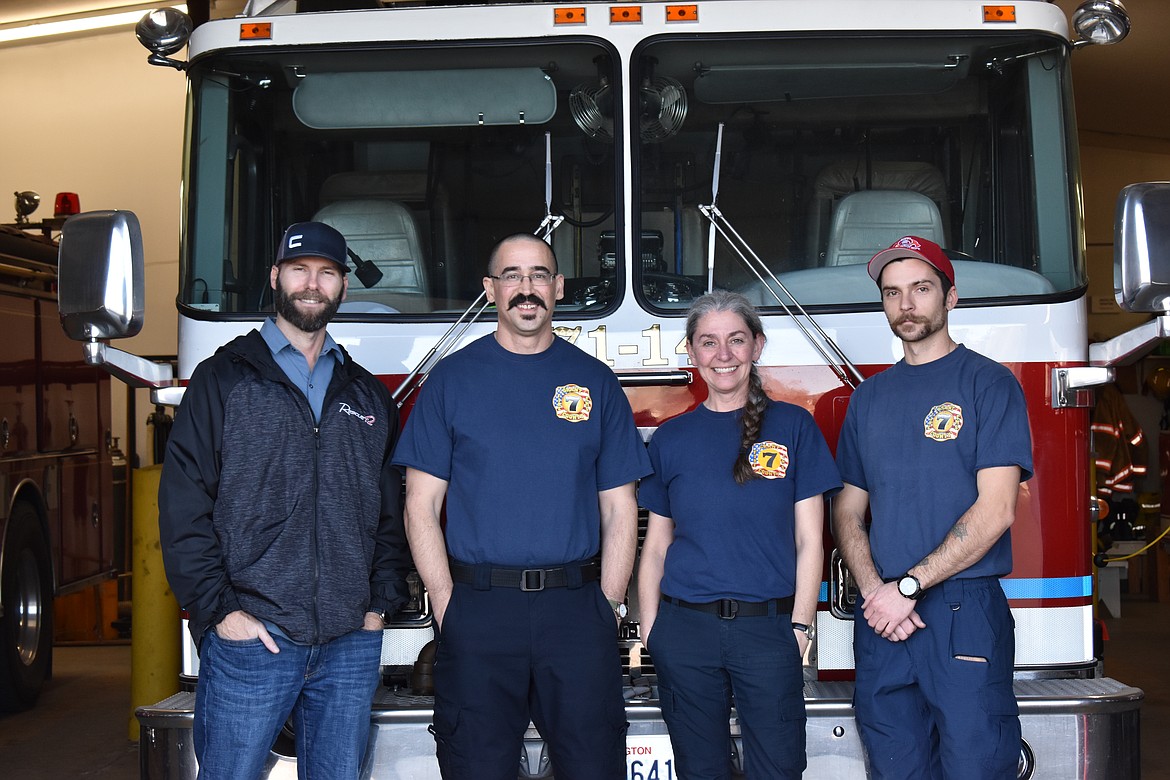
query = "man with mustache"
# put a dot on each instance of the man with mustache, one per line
(532, 444)
(935, 447)
(281, 528)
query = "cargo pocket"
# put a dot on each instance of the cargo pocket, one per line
(972, 638)
(445, 730)
(978, 655)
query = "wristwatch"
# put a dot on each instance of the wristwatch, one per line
(619, 608)
(910, 587)
(809, 630)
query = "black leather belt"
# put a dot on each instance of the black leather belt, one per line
(567, 576)
(729, 609)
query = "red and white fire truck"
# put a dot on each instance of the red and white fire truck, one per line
(61, 524)
(766, 146)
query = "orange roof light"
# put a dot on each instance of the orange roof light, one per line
(625, 14)
(999, 13)
(563, 15)
(682, 13)
(256, 31)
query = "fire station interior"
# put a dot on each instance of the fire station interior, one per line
(424, 204)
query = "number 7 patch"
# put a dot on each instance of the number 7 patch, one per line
(769, 459)
(572, 403)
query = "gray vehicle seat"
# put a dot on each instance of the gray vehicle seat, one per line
(385, 233)
(867, 221)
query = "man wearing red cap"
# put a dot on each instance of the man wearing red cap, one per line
(281, 528)
(935, 447)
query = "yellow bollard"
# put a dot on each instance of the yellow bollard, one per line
(155, 642)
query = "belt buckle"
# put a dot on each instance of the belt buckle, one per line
(728, 608)
(537, 574)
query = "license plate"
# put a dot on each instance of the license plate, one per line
(650, 757)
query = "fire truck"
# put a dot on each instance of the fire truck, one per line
(58, 518)
(663, 149)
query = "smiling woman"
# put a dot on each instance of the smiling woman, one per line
(724, 347)
(731, 607)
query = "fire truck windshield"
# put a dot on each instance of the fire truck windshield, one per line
(423, 158)
(833, 147)
(826, 148)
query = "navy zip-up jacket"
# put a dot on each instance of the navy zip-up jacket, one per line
(265, 510)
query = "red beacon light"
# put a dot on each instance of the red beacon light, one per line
(66, 204)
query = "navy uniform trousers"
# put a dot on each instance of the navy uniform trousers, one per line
(506, 657)
(704, 663)
(941, 703)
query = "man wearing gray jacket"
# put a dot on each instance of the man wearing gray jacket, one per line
(281, 528)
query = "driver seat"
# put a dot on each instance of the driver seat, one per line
(870, 220)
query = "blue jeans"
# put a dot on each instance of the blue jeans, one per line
(246, 693)
(705, 663)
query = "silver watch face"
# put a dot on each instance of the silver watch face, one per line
(908, 586)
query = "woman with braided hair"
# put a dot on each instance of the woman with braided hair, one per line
(731, 567)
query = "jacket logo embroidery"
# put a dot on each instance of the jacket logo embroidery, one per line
(345, 408)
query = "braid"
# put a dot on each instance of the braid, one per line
(751, 421)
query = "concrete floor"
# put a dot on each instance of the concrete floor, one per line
(79, 729)
(80, 726)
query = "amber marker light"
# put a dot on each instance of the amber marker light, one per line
(999, 13)
(569, 15)
(682, 13)
(624, 14)
(256, 31)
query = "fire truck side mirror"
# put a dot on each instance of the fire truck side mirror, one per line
(1141, 248)
(100, 275)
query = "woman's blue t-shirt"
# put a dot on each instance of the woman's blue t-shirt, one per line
(731, 540)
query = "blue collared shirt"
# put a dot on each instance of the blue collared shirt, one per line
(312, 383)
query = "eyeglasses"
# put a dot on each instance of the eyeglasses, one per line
(512, 278)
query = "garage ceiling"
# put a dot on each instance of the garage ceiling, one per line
(1121, 89)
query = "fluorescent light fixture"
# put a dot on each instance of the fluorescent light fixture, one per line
(48, 28)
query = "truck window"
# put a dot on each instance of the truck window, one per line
(834, 147)
(422, 157)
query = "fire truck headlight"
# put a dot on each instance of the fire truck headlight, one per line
(1101, 22)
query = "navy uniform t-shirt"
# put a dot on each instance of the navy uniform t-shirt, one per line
(916, 436)
(525, 443)
(731, 540)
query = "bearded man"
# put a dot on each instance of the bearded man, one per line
(282, 536)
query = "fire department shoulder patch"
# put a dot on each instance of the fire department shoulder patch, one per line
(769, 459)
(943, 422)
(572, 403)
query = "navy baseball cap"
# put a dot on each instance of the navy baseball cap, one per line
(313, 239)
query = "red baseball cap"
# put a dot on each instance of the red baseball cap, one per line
(912, 246)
